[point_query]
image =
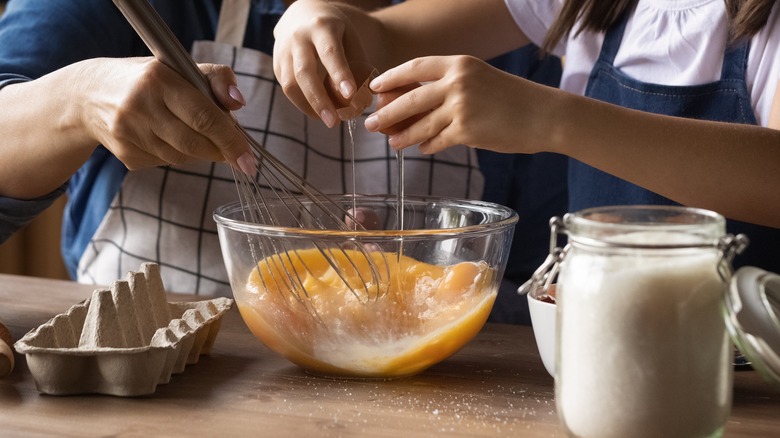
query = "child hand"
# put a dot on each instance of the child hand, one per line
(462, 100)
(314, 46)
(385, 98)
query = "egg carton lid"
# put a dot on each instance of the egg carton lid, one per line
(122, 341)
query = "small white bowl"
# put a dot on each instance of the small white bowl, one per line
(543, 322)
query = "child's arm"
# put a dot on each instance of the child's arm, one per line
(730, 168)
(315, 39)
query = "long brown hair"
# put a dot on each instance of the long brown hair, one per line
(747, 17)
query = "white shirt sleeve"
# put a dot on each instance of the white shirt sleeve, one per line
(535, 17)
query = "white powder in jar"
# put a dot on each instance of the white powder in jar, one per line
(643, 345)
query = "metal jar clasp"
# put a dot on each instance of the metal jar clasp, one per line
(545, 275)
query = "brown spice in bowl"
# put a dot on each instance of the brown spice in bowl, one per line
(549, 297)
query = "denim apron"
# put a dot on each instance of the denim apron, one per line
(725, 100)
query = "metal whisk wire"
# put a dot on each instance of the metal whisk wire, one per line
(257, 211)
(279, 182)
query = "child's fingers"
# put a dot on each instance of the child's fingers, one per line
(307, 78)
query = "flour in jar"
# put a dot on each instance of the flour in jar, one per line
(643, 348)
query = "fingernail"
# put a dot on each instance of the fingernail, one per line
(328, 118)
(393, 141)
(372, 123)
(346, 89)
(246, 162)
(376, 84)
(235, 93)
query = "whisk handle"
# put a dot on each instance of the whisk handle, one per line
(163, 43)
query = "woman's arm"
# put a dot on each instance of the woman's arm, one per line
(59, 101)
(141, 110)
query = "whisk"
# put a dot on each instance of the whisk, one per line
(319, 212)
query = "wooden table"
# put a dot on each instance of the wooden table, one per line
(495, 386)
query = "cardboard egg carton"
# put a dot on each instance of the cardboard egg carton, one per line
(122, 341)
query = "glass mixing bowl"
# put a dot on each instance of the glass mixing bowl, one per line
(381, 302)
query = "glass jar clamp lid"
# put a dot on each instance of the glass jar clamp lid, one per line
(753, 319)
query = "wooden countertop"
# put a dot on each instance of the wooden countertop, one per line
(495, 386)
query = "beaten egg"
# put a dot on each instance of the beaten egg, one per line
(343, 315)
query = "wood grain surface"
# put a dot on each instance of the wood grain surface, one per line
(495, 386)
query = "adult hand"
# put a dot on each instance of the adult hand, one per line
(462, 100)
(148, 115)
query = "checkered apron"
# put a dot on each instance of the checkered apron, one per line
(164, 214)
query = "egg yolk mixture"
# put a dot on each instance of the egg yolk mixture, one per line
(397, 317)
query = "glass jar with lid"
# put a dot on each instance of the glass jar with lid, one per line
(642, 346)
